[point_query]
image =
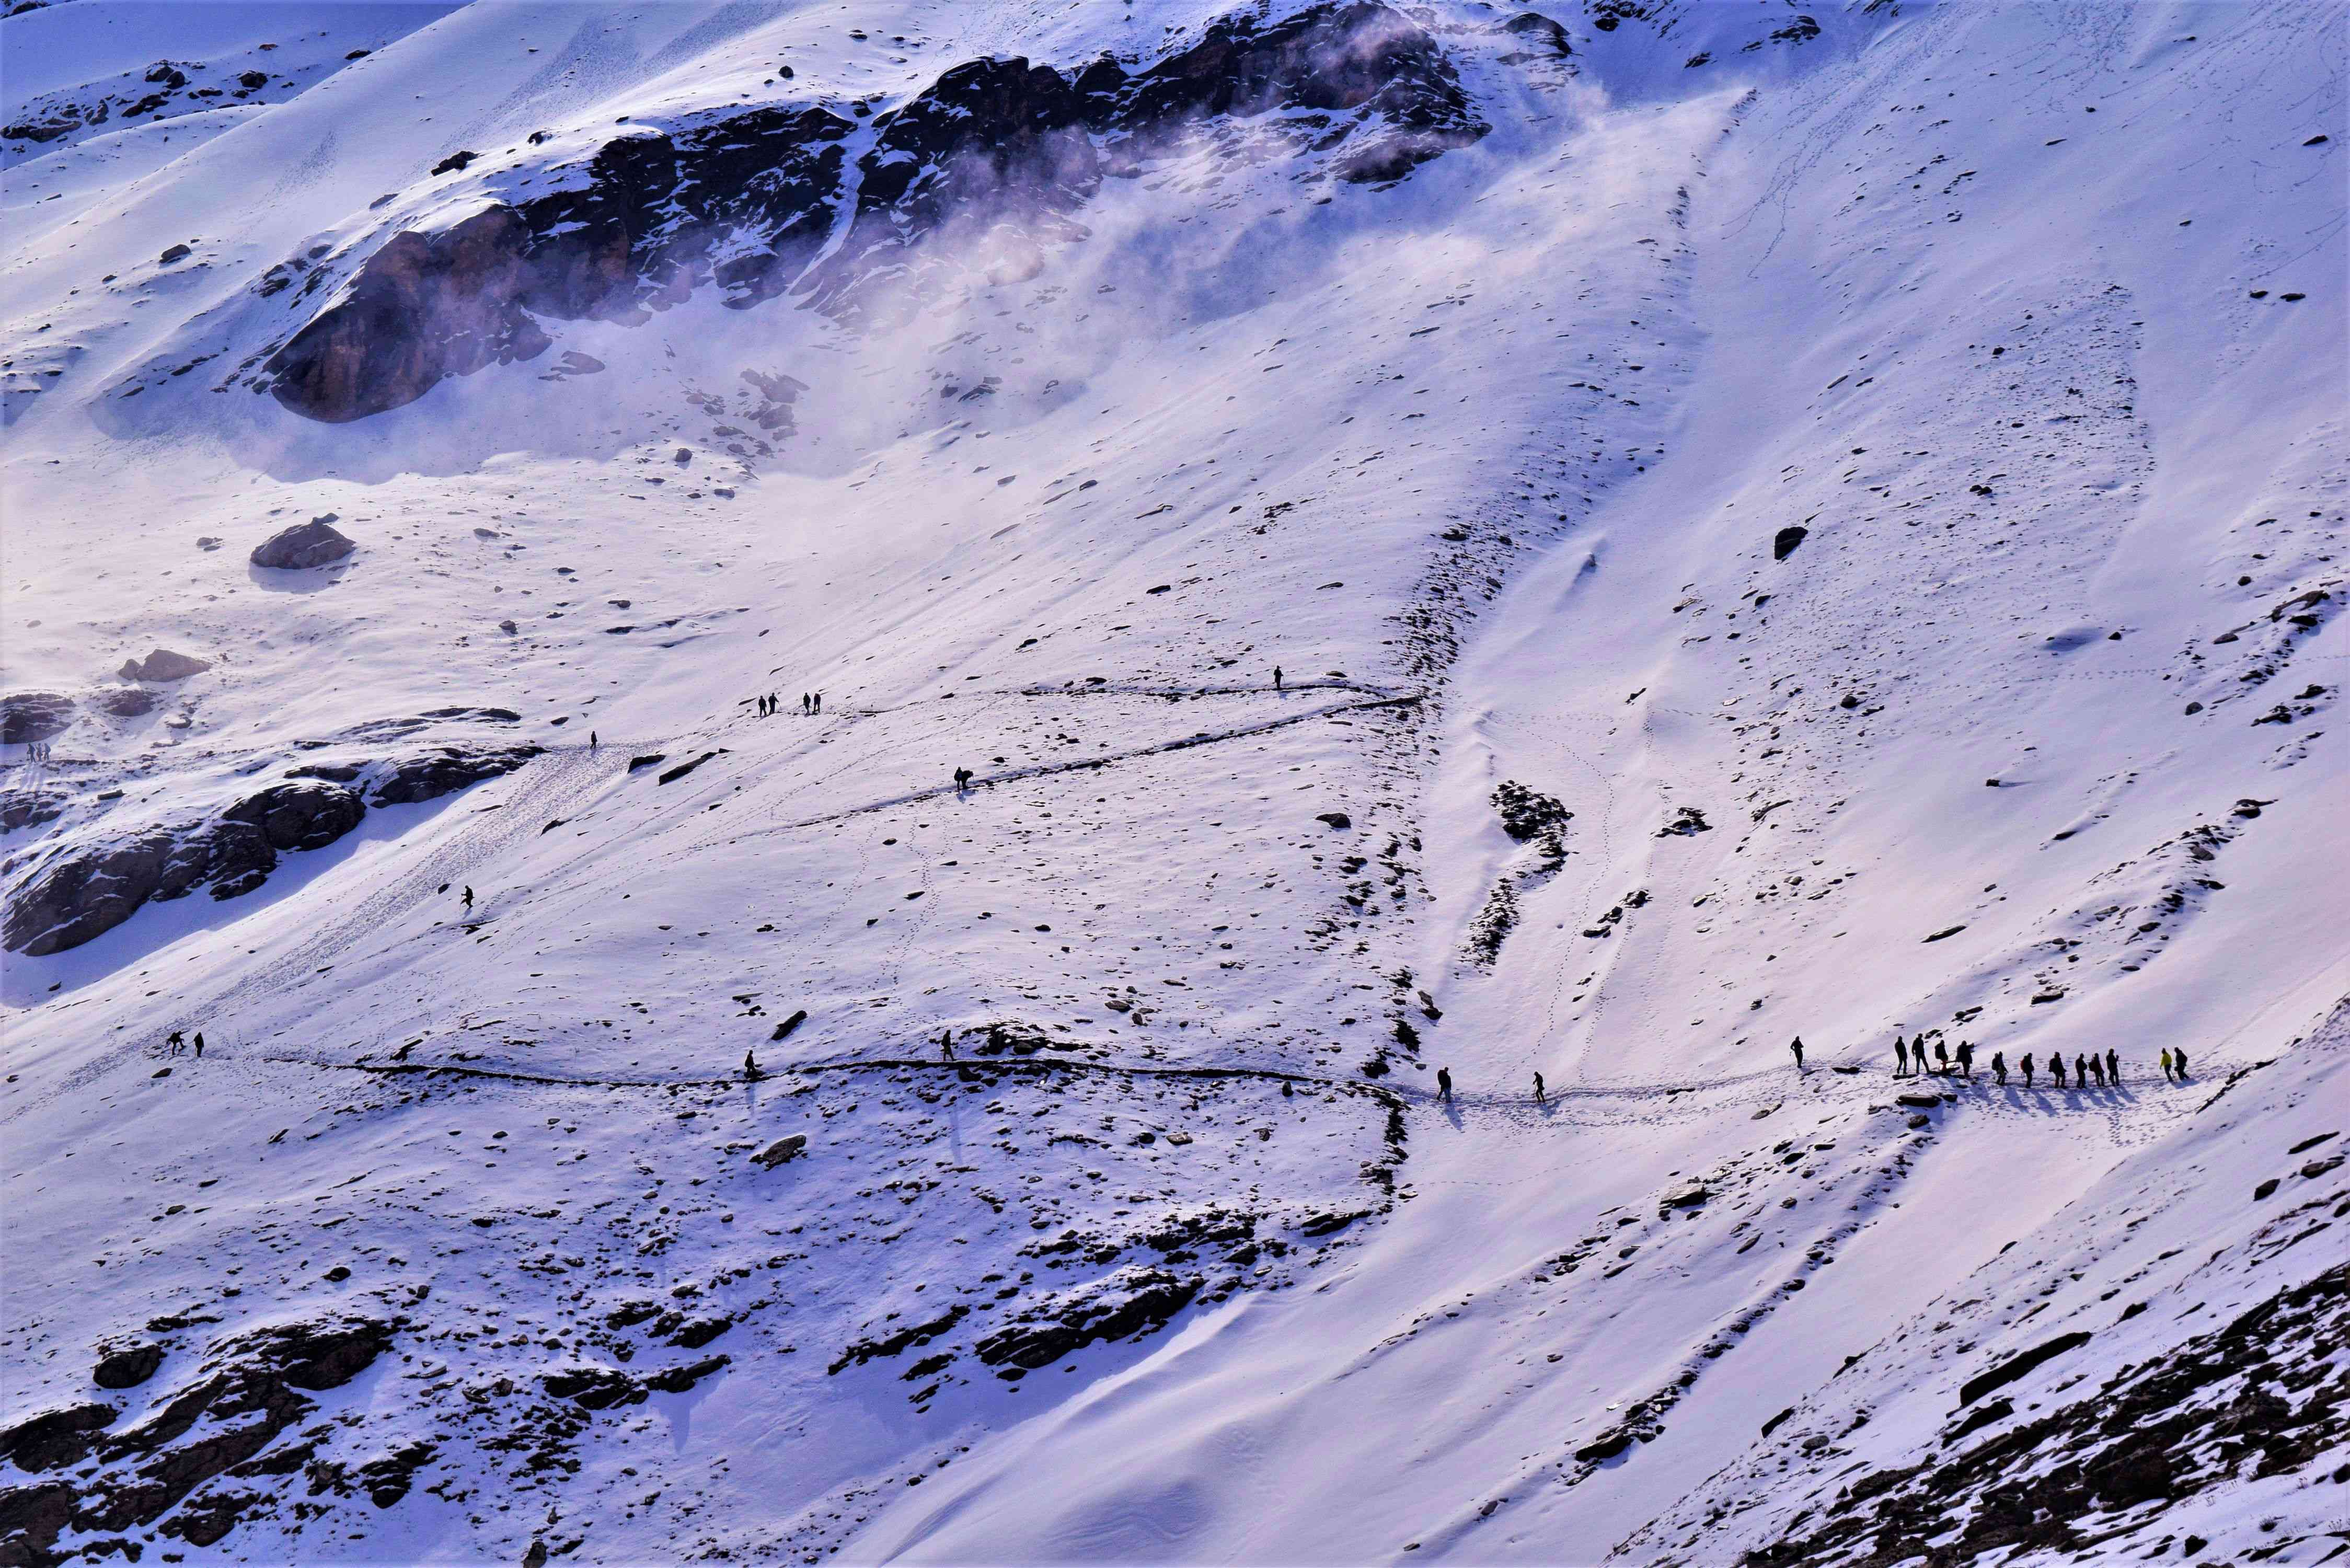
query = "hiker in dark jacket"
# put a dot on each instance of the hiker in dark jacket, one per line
(1999, 1067)
(1538, 1089)
(1796, 1045)
(2057, 1067)
(1967, 1057)
(2026, 1065)
(1901, 1057)
(1941, 1057)
(2112, 1067)
(2080, 1071)
(2179, 1060)
(750, 1065)
(200, 1044)
(1444, 1084)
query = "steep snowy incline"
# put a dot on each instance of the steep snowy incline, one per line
(1445, 539)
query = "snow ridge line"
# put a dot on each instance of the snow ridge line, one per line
(1079, 765)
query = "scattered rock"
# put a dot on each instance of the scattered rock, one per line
(1689, 820)
(1783, 543)
(788, 1147)
(2015, 1366)
(317, 542)
(1336, 819)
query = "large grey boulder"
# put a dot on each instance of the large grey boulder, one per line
(317, 542)
(165, 665)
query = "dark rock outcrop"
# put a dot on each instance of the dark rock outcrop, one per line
(88, 889)
(123, 701)
(317, 542)
(27, 716)
(21, 807)
(1000, 147)
(52, 1438)
(1133, 1301)
(164, 665)
(127, 1366)
(83, 894)
(305, 815)
(434, 774)
(1783, 543)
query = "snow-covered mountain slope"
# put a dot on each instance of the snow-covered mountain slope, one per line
(1587, 545)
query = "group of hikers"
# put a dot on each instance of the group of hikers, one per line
(2088, 1069)
(811, 703)
(36, 751)
(177, 1042)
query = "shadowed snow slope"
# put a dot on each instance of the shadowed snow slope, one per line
(1570, 549)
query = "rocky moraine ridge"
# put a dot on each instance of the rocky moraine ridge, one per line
(745, 202)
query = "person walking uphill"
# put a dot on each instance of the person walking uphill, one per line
(1796, 1045)
(1901, 1057)
(2026, 1065)
(1999, 1067)
(1967, 1057)
(1444, 1084)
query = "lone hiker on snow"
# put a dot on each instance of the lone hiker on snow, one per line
(1796, 1045)
(946, 1043)
(1276, 677)
(469, 898)
(1444, 1084)
(750, 1065)
(1538, 1089)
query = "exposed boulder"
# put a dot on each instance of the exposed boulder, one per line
(317, 542)
(1783, 543)
(123, 701)
(83, 894)
(164, 665)
(304, 814)
(26, 716)
(431, 775)
(127, 1366)
(790, 1147)
(1544, 38)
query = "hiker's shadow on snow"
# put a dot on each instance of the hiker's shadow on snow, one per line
(1452, 1114)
